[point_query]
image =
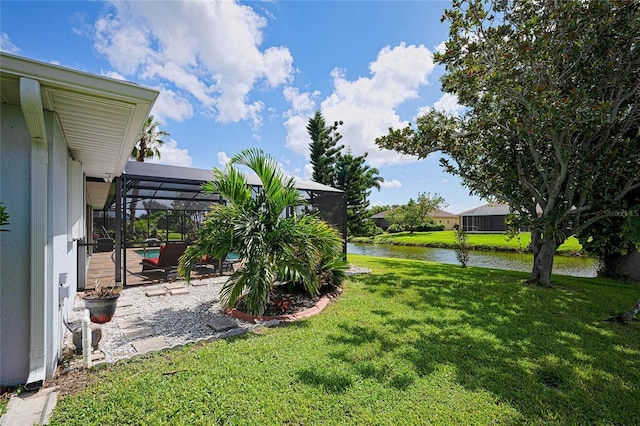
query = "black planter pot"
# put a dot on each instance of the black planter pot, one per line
(101, 310)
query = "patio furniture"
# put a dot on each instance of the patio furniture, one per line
(167, 259)
(219, 265)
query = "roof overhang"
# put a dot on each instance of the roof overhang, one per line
(99, 116)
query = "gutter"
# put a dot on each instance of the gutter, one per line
(31, 103)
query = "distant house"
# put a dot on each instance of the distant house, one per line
(449, 220)
(65, 135)
(380, 221)
(487, 218)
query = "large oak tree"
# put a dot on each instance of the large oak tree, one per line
(550, 91)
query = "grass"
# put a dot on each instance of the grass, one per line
(446, 239)
(411, 343)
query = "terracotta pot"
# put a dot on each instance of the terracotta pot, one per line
(101, 310)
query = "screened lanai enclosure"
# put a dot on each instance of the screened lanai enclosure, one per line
(156, 203)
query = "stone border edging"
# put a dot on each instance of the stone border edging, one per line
(314, 310)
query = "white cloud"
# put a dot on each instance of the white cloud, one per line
(367, 106)
(448, 103)
(308, 171)
(170, 105)
(442, 47)
(114, 75)
(209, 50)
(302, 107)
(172, 155)
(395, 183)
(6, 45)
(223, 158)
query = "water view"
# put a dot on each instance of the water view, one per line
(563, 265)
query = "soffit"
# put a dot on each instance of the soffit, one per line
(99, 117)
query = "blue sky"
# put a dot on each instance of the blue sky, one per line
(234, 75)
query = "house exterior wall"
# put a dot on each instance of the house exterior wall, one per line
(15, 152)
(381, 223)
(448, 222)
(61, 255)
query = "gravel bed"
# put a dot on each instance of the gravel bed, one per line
(180, 318)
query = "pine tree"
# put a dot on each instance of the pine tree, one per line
(324, 148)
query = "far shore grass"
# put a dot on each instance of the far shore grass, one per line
(411, 343)
(478, 241)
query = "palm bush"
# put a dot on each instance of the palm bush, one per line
(263, 228)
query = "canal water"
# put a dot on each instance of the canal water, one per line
(563, 265)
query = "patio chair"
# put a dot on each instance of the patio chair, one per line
(219, 265)
(167, 259)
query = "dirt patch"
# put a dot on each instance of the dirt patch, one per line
(70, 377)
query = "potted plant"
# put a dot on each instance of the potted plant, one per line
(101, 301)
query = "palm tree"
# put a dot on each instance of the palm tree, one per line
(147, 146)
(149, 141)
(255, 224)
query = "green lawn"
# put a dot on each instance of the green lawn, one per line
(478, 241)
(411, 343)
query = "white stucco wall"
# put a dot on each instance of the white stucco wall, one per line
(61, 267)
(14, 247)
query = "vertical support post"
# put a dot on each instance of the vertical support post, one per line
(118, 214)
(124, 229)
(343, 205)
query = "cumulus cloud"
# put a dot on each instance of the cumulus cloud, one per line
(6, 45)
(172, 106)
(367, 105)
(223, 158)
(308, 171)
(172, 155)
(114, 75)
(442, 47)
(395, 183)
(211, 51)
(448, 103)
(302, 106)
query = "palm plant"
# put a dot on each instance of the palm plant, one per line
(148, 146)
(263, 228)
(149, 141)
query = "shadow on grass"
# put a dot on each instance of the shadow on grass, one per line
(333, 382)
(546, 352)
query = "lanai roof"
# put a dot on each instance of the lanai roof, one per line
(488, 210)
(165, 182)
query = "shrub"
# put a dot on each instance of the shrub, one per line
(394, 228)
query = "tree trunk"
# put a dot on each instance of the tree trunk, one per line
(544, 249)
(132, 216)
(621, 266)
